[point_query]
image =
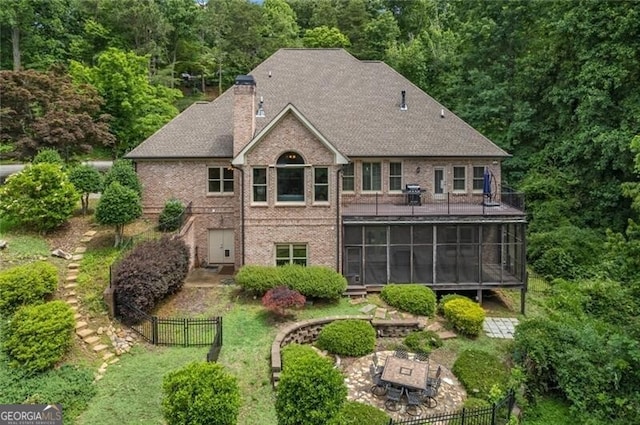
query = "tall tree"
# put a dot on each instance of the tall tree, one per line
(325, 37)
(138, 108)
(41, 110)
(280, 28)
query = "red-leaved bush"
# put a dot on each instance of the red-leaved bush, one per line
(280, 298)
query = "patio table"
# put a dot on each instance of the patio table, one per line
(407, 373)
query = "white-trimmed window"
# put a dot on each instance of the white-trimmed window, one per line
(395, 176)
(291, 254)
(371, 176)
(348, 178)
(459, 179)
(259, 185)
(220, 180)
(478, 179)
(321, 184)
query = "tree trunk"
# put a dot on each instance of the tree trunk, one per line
(119, 232)
(85, 203)
(15, 44)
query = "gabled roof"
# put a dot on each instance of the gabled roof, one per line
(353, 104)
(338, 157)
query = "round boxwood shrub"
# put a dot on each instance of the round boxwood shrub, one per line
(465, 315)
(348, 338)
(38, 336)
(310, 391)
(200, 393)
(355, 413)
(314, 281)
(449, 297)
(170, 217)
(413, 298)
(26, 284)
(258, 279)
(479, 371)
(422, 341)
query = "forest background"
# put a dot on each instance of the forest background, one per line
(556, 83)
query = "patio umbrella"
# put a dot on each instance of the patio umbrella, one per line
(486, 184)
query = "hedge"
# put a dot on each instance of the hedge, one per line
(355, 413)
(26, 284)
(200, 393)
(310, 391)
(422, 341)
(310, 281)
(449, 297)
(38, 336)
(412, 298)
(465, 315)
(171, 215)
(349, 337)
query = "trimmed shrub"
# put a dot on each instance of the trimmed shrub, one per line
(355, 413)
(123, 172)
(314, 281)
(37, 337)
(465, 315)
(449, 297)
(310, 281)
(26, 284)
(280, 298)
(171, 215)
(349, 337)
(422, 341)
(258, 279)
(310, 391)
(150, 272)
(49, 156)
(412, 298)
(200, 393)
(87, 180)
(479, 372)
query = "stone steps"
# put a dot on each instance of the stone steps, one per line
(83, 333)
(81, 325)
(99, 347)
(91, 339)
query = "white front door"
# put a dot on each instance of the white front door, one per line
(221, 243)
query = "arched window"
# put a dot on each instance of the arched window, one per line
(290, 168)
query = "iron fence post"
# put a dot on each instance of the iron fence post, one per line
(154, 330)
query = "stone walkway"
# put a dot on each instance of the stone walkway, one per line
(500, 327)
(107, 343)
(451, 394)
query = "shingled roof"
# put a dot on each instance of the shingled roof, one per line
(354, 104)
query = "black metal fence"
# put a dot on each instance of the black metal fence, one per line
(536, 283)
(186, 332)
(496, 414)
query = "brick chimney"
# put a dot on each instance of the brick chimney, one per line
(244, 112)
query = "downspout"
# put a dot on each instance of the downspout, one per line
(338, 223)
(242, 233)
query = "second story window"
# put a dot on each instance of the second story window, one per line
(321, 184)
(371, 176)
(478, 179)
(259, 185)
(395, 176)
(290, 184)
(348, 180)
(459, 179)
(220, 180)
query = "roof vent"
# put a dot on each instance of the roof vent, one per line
(260, 111)
(403, 103)
(442, 113)
(245, 80)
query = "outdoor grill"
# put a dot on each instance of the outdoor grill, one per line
(413, 193)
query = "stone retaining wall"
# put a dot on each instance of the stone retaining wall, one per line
(306, 332)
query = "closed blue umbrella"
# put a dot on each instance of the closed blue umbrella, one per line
(486, 184)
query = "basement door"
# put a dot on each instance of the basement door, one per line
(221, 243)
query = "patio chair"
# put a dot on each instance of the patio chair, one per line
(431, 382)
(428, 396)
(401, 354)
(376, 362)
(379, 387)
(421, 357)
(394, 395)
(414, 400)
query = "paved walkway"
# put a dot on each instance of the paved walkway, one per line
(451, 394)
(500, 327)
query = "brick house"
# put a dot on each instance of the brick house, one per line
(316, 157)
